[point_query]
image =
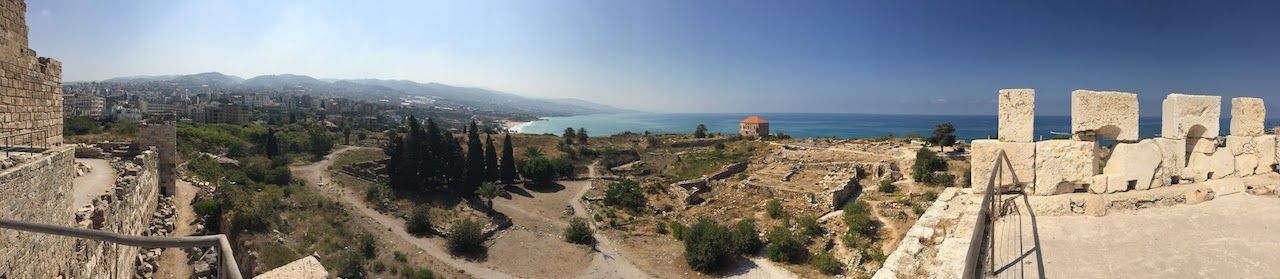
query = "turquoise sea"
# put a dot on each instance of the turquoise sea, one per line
(968, 127)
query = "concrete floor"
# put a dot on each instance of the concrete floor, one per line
(93, 184)
(1232, 236)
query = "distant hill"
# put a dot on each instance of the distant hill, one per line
(375, 89)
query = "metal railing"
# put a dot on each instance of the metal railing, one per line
(228, 268)
(12, 139)
(983, 234)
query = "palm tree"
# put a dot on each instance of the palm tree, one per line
(490, 190)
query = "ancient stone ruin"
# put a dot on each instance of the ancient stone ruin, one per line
(1189, 148)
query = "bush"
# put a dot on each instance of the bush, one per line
(943, 179)
(399, 256)
(540, 170)
(377, 193)
(578, 232)
(210, 210)
(887, 187)
(706, 245)
(465, 236)
(825, 263)
(857, 216)
(419, 221)
(368, 246)
(926, 164)
(625, 194)
(378, 267)
(930, 195)
(784, 246)
(774, 208)
(808, 227)
(80, 125)
(351, 265)
(660, 228)
(745, 238)
(677, 230)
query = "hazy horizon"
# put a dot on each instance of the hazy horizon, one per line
(874, 57)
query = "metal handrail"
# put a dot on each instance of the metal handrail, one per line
(229, 266)
(972, 263)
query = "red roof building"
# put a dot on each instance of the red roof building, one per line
(753, 127)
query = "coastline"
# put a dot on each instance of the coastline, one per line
(516, 126)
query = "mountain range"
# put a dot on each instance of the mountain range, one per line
(380, 89)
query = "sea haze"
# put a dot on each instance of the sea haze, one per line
(968, 127)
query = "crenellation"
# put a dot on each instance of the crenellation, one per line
(1104, 115)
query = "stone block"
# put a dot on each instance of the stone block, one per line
(1173, 154)
(1099, 185)
(1133, 165)
(1018, 167)
(1246, 164)
(1063, 165)
(1201, 145)
(1191, 116)
(1266, 154)
(1017, 115)
(1220, 164)
(1104, 115)
(1240, 145)
(1247, 116)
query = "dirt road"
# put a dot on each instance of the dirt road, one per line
(318, 176)
(173, 261)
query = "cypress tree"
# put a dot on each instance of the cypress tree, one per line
(430, 160)
(475, 158)
(453, 162)
(582, 136)
(569, 136)
(508, 171)
(409, 167)
(490, 159)
(272, 146)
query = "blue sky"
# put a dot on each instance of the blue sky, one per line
(893, 56)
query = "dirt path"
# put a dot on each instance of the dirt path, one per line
(608, 263)
(318, 176)
(173, 261)
(98, 181)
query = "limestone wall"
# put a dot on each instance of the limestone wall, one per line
(164, 138)
(127, 210)
(37, 191)
(1189, 148)
(30, 86)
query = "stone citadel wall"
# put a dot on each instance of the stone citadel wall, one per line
(1189, 149)
(30, 86)
(37, 191)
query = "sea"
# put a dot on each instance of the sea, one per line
(810, 125)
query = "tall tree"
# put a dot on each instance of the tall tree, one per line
(508, 170)
(452, 159)
(569, 136)
(490, 159)
(943, 135)
(272, 147)
(582, 135)
(475, 158)
(700, 132)
(346, 135)
(406, 173)
(430, 163)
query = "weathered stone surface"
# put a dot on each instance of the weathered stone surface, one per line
(1063, 165)
(38, 191)
(1191, 116)
(1173, 154)
(1199, 196)
(1099, 185)
(1202, 145)
(1018, 169)
(1246, 164)
(1241, 145)
(1266, 153)
(1247, 116)
(1017, 115)
(1211, 166)
(1104, 115)
(1133, 164)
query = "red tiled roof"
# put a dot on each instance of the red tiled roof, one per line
(754, 120)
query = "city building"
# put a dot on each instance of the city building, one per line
(753, 127)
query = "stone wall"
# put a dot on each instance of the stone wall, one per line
(127, 210)
(1188, 150)
(30, 86)
(37, 191)
(164, 138)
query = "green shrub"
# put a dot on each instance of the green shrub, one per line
(745, 238)
(351, 265)
(399, 256)
(926, 164)
(930, 195)
(784, 246)
(943, 179)
(377, 193)
(465, 236)
(857, 216)
(706, 245)
(378, 267)
(825, 263)
(625, 194)
(578, 232)
(887, 187)
(808, 227)
(774, 208)
(660, 228)
(210, 210)
(677, 230)
(368, 246)
(539, 170)
(419, 221)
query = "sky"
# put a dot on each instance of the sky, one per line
(892, 56)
